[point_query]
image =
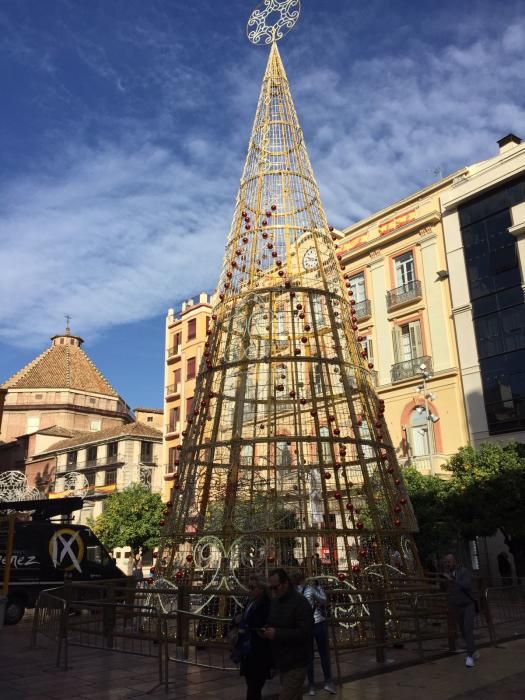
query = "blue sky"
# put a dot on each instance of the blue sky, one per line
(124, 126)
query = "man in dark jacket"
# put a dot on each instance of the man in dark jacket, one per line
(461, 601)
(290, 629)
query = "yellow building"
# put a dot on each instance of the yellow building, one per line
(185, 338)
(395, 265)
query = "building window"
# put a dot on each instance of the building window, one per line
(112, 449)
(91, 455)
(150, 419)
(190, 368)
(189, 403)
(92, 401)
(33, 423)
(283, 455)
(39, 397)
(146, 452)
(317, 310)
(71, 459)
(173, 424)
(110, 477)
(95, 425)
(325, 445)
(192, 329)
(368, 347)
(177, 338)
(405, 270)
(419, 433)
(408, 344)
(173, 458)
(176, 380)
(357, 286)
(91, 478)
(247, 455)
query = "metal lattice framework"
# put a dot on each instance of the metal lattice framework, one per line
(76, 484)
(13, 487)
(286, 458)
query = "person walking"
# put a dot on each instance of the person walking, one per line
(318, 599)
(461, 601)
(290, 630)
(252, 650)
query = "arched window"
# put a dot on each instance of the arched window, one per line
(420, 433)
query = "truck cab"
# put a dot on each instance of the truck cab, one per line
(43, 553)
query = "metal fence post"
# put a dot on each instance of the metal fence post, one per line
(488, 615)
(378, 618)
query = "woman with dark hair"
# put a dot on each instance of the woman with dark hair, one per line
(252, 650)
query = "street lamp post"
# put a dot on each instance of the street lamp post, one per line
(430, 417)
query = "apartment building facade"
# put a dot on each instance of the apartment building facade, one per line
(186, 334)
(395, 264)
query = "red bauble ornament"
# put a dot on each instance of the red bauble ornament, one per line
(273, 207)
(297, 351)
(313, 413)
(341, 576)
(292, 394)
(280, 387)
(356, 568)
(162, 523)
(397, 482)
(359, 525)
(327, 475)
(397, 522)
(189, 558)
(268, 213)
(336, 431)
(403, 501)
(179, 574)
(338, 495)
(245, 239)
(152, 570)
(330, 228)
(264, 222)
(265, 235)
(304, 339)
(214, 317)
(274, 253)
(350, 507)
(331, 418)
(303, 402)
(397, 509)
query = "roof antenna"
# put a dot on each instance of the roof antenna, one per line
(68, 319)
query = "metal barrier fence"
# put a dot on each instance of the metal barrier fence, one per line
(191, 626)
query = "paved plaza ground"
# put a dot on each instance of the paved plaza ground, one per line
(27, 674)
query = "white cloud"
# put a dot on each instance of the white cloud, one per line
(117, 232)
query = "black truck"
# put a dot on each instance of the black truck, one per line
(45, 553)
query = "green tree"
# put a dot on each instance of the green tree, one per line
(489, 494)
(131, 518)
(432, 500)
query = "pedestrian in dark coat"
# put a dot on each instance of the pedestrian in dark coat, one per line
(462, 603)
(290, 629)
(253, 649)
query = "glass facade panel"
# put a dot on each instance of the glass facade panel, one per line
(498, 308)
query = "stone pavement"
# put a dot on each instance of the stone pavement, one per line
(27, 674)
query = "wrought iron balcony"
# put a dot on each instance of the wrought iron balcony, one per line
(410, 368)
(172, 352)
(411, 291)
(93, 463)
(173, 389)
(363, 309)
(173, 428)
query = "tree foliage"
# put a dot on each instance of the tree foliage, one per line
(486, 493)
(431, 499)
(131, 518)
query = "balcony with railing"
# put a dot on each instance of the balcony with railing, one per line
(172, 390)
(410, 368)
(405, 294)
(362, 309)
(105, 461)
(173, 428)
(173, 353)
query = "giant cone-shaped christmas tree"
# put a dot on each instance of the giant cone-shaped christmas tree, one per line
(285, 459)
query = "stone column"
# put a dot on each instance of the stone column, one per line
(383, 350)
